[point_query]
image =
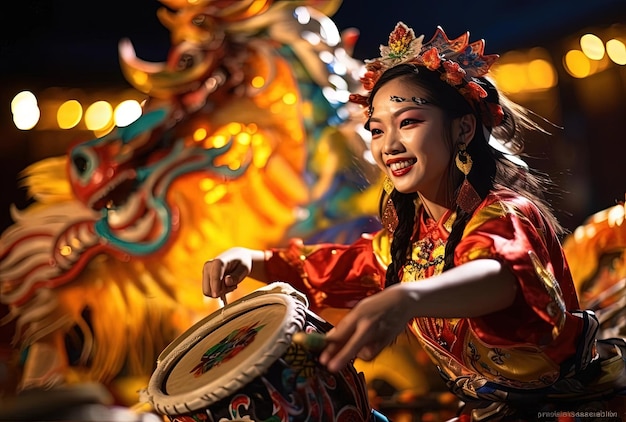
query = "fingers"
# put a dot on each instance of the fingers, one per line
(222, 275)
(343, 343)
(238, 273)
(212, 275)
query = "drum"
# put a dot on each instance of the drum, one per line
(239, 363)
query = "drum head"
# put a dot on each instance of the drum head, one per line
(225, 351)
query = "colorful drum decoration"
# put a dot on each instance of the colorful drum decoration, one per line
(239, 363)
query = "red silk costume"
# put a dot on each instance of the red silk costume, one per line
(527, 346)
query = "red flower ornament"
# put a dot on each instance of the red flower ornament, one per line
(431, 59)
(454, 74)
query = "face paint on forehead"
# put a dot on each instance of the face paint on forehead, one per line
(398, 99)
(416, 100)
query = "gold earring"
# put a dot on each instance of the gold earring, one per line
(387, 185)
(467, 198)
(389, 217)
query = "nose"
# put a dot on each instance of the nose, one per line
(392, 143)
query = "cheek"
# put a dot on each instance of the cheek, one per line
(375, 148)
(436, 149)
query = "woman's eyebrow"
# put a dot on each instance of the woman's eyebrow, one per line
(397, 112)
(416, 100)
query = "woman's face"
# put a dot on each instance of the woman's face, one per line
(408, 140)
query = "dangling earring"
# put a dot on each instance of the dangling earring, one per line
(389, 217)
(467, 199)
(387, 185)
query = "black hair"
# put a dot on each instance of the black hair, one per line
(491, 168)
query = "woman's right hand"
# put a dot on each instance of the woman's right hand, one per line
(223, 273)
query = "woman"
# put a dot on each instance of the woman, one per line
(469, 258)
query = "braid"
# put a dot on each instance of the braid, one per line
(405, 209)
(455, 237)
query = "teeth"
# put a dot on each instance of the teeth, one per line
(108, 188)
(119, 217)
(401, 164)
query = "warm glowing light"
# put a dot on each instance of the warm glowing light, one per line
(218, 141)
(592, 46)
(511, 77)
(243, 138)
(290, 98)
(25, 110)
(207, 184)
(69, 114)
(99, 116)
(262, 151)
(127, 112)
(541, 74)
(258, 82)
(234, 128)
(577, 64)
(616, 50)
(215, 194)
(199, 134)
(21, 98)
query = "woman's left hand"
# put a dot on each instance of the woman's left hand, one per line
(367, 329)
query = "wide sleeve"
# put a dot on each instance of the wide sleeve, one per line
(514, 232)
(331, 275)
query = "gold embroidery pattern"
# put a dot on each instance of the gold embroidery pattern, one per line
(426, 253)
(556, 308)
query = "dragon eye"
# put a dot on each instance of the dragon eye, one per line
(80, 163)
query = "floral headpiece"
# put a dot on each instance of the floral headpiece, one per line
(458, 61)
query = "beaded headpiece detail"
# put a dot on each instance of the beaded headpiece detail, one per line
(458, 61)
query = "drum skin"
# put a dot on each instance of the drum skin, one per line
(239, 364)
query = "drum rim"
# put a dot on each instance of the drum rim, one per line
(293, 321)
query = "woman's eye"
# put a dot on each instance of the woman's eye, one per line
(375, 131)
(407, 122)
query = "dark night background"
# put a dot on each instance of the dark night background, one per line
(73, 44)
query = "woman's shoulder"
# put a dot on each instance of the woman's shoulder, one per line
(509, 200)
(504, 204)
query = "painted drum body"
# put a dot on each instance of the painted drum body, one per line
(239, 363)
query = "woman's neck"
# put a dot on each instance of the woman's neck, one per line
(434, 209)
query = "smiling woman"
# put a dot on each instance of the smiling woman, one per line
(469, 259)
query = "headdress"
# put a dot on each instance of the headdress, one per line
(458, 61)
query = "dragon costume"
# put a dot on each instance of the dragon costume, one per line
(246, 137)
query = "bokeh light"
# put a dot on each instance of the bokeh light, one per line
(25, 110)
(127, 112)
(99, 115)
(69, 114)
(592, 46)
